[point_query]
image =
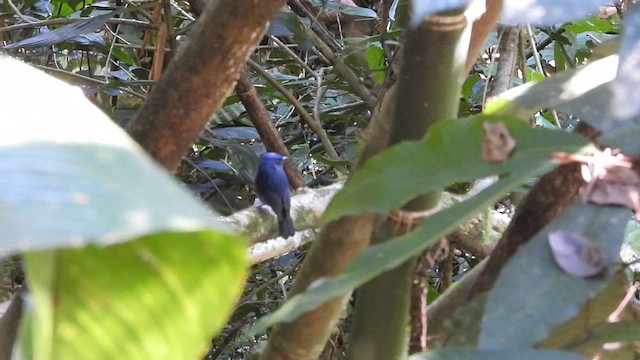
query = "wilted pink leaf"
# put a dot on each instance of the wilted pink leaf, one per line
(575, 254)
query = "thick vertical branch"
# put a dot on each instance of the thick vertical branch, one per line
(200, 77)
(428, 90)
(508, 53)
(341, 240)
(304, 338)
(263, 124)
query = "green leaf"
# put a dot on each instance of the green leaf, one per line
(468, 85)
(450, 152)
(584, 92)
(473, 354)
(518, 312)
(345, 9)
(623, 331)
(601, 93)
(594, 24)
(376, 62)
(587, 332)
(380, 258)
(161, 296)
(71, 177)
(66, 32)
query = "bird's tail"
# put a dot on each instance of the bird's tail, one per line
(285, 226)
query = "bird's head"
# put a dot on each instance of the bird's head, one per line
(272, 158)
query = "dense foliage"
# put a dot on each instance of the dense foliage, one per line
(121, 262)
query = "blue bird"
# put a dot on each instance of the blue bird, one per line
(272, 186)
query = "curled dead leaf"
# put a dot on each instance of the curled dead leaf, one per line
(575, 254)
(611, 177)
(498, 143)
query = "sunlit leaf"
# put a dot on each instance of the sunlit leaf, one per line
(450, 152)
(67, 32)
(77, 173)
(121, 260)
(158, 297)
(585, 92)
(380, 258)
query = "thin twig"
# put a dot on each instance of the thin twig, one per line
(293, 55)
(65, 21)
(168, 19)
(17, 11)
(313, 125)
(345, 71)
(536, 57)
(87, 79)
(615, 315)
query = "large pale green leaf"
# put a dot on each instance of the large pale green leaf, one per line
(533, 294)
(158, 297)
(150, 275)
(70, 176)
(512, 354)
(450, 152)
(380, 258)
(585, 92)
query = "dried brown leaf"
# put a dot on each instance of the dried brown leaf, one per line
(498, 143)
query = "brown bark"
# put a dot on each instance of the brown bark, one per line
(419, 290)
(338, 244)
(341, 240)
(506, 64)
(265, 127)
(548, 198)
(201, 76)
(428, 90)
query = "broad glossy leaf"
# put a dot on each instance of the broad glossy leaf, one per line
(67, 32)
(380, 258)
(161, 296)
(518, 311)
(375, 61)
(71, 177)
(585, 92)
(450, 152)
(473, 354)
